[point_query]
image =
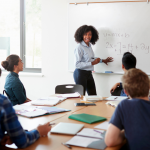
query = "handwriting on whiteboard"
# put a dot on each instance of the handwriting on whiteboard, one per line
(120, 48)
(119, 35)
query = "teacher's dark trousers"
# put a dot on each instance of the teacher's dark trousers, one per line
(85, 78)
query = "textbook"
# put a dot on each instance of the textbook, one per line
(87, 118)
(89, 138)
(92, 98)
(33, 111)
(48, 101)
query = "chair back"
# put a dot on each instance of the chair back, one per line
(69, 88)
(4, 92)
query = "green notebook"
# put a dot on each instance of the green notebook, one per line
(87, 118)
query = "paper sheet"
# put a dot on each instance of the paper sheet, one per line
(34, 113)
(81, 141)
(116, 98)
(91, 133)
(70, 95)
(103, 125)
(45, 102)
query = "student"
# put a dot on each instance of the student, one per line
(13, 86)
(128, 62)
(11, 130)
(131, 117)
(84, 58)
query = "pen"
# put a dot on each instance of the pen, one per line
(98, 131)
(115, 97)
(52, 124)
(67, 145)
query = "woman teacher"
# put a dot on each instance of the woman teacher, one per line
(84, 58)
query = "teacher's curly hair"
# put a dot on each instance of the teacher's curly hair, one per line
(84, 29)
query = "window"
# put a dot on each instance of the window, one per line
(20, 32)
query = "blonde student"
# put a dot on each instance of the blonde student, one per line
(13, 86)
(131, 118)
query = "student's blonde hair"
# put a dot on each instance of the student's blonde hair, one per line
(136, 83)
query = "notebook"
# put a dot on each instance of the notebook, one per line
(103, 125)
(48, 101)
(118, 98)
(87, 118)
(92, 98)
(88, 138)
(33, 111)
(69, 95)
(67, 128)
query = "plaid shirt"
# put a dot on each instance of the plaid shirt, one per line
(9, 123)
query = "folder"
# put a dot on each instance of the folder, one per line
(87, 118)
(87, 141)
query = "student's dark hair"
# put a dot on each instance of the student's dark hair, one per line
(84, 29)
(128, 60)
(10, 61)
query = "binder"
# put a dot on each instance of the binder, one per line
(87, 118)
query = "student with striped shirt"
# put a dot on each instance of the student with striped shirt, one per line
(11, 130)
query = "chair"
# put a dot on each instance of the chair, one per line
(69, 88)
(116, 92)
(4, 92)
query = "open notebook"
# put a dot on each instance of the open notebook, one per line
(33, 111)
(89, 138)
(48, 101)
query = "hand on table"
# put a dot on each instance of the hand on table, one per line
(44, 129)
(6, 140)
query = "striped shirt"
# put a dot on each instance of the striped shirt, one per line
(9, 123)
(84, 56)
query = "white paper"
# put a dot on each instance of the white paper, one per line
(45, 102)
(35, 113)
(92, 98)
(113, 103)
(73, 95)
(116, 98)
(52, 98)
(91, 133)
(24, 107)
(81, 141)
(103, 125)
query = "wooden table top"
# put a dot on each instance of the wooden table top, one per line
(53, 141)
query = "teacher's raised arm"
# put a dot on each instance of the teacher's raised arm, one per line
(84, 58)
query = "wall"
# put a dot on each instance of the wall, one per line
(55, 54)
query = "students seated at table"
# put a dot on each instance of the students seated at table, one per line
(131, 117)
(11, 130)
(128, 62)
(13, 86)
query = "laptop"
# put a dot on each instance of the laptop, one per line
(67, 128)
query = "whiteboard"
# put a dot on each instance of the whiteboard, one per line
(122, 27)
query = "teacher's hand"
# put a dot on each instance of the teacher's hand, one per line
(108, 59)
(96, 61)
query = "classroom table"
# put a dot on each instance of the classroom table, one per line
(53, 141)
